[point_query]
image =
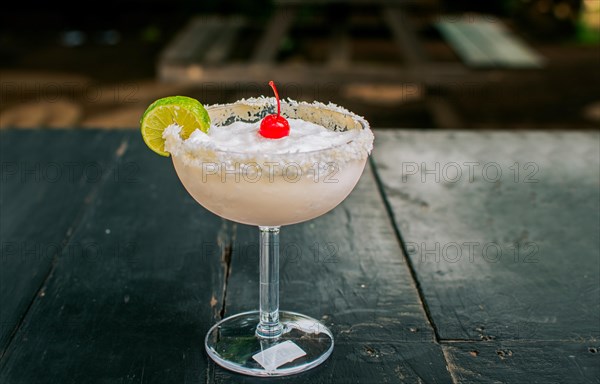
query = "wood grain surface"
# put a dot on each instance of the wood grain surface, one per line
(134, 291)
(502, 232)
(422, 275)
(46, 182)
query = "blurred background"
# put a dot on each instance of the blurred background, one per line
(500, 64)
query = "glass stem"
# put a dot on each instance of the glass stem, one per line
(269, 326)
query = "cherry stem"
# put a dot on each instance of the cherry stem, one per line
(272, 84)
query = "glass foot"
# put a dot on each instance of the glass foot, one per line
(305, 343)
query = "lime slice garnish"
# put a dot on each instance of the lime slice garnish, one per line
(186, 112)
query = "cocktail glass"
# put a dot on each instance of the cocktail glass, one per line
(270, 190)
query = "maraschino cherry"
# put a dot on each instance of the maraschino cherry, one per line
(274, 126)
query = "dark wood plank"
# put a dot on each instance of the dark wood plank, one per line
(543, 363)
(223, 43)
(193, 42)
(274, 33)
(45, 181)
(340, 46)
(488, 43)
(435, 75)
(499, 257)
(134, 291)
(404, 35)
(357, 284)
(444, 115)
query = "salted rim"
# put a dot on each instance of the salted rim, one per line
(359, 147)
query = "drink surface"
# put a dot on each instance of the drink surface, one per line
(243, 137)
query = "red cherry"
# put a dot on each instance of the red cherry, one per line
(274, 126)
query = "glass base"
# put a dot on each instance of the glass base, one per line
(232, 343)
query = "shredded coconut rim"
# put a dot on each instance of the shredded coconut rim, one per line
(196, 151)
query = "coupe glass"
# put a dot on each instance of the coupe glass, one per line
(270, 190)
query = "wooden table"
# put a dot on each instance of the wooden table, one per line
(460, 257)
